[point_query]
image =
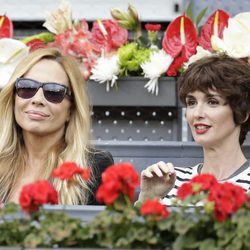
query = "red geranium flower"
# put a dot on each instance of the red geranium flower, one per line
(118, 179)
(202, 182)
(155, 208)
(68, 169)
(227, 198)
(206, 181)
(36, 194)
(152, 27)
(185, 190)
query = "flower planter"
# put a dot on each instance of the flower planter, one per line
(130, 91)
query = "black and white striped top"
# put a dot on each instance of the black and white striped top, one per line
(240, 177)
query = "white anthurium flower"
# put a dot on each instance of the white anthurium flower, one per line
(200, 53)
(106, 70)
(158, 64)
(236, 37)
(60, 20)
(11, 53)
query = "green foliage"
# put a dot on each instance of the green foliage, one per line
(131, 56)
(189, 13)
(122, 226)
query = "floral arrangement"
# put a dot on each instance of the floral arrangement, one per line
(105, 51)
(221, 222)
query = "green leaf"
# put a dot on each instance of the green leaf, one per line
(200, 16)
(189, 11)
(208, 244)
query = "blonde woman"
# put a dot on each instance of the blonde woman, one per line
(45, 121)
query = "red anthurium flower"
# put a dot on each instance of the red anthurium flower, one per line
(175, 66)
(36, 194)
(35, 44)
(6, 27)
(180, 38)
(154, 208)
(152, 27)
(214, 25)
(68, 169)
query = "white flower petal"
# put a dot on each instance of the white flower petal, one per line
(200, 53)
(59, 20)
(158, 64)
(12, 52)
(106, 70)
(236, 37)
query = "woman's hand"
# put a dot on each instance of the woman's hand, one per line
(157, 180)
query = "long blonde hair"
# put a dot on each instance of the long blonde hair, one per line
(73, 147)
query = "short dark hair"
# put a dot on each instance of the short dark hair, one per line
(228, 76)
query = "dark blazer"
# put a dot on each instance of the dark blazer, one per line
(99, 161)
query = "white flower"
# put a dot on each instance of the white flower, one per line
(158, 64)
(11, 53)
(200, 53)
(106, 70)
(236, 37)
(59, 20)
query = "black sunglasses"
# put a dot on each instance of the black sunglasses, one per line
(53, 92)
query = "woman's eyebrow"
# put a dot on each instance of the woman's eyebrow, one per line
(214, 95)
(190, 96)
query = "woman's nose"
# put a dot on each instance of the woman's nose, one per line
(39, 98)
(199, 111)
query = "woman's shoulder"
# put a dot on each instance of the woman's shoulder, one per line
(242, 176)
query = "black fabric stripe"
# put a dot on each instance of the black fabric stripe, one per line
(183, 171)
(182, 179)
(170, 196)
(243, 181)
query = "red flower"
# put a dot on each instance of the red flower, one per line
(180, 38)
(117, 179)
(36, 194)
(155, 208)
(227, 198)
(215, 24)
(35, 44)
(185, 190)
(152, 27)
(6, 27)
(206, 181)
(175, 66)
(112, 38)
(68, 169)
(77, 42)
(202, 182)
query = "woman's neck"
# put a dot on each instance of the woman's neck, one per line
(223, 162)
(37, 148)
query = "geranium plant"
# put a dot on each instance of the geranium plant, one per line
(207, 215)
(106, 53)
